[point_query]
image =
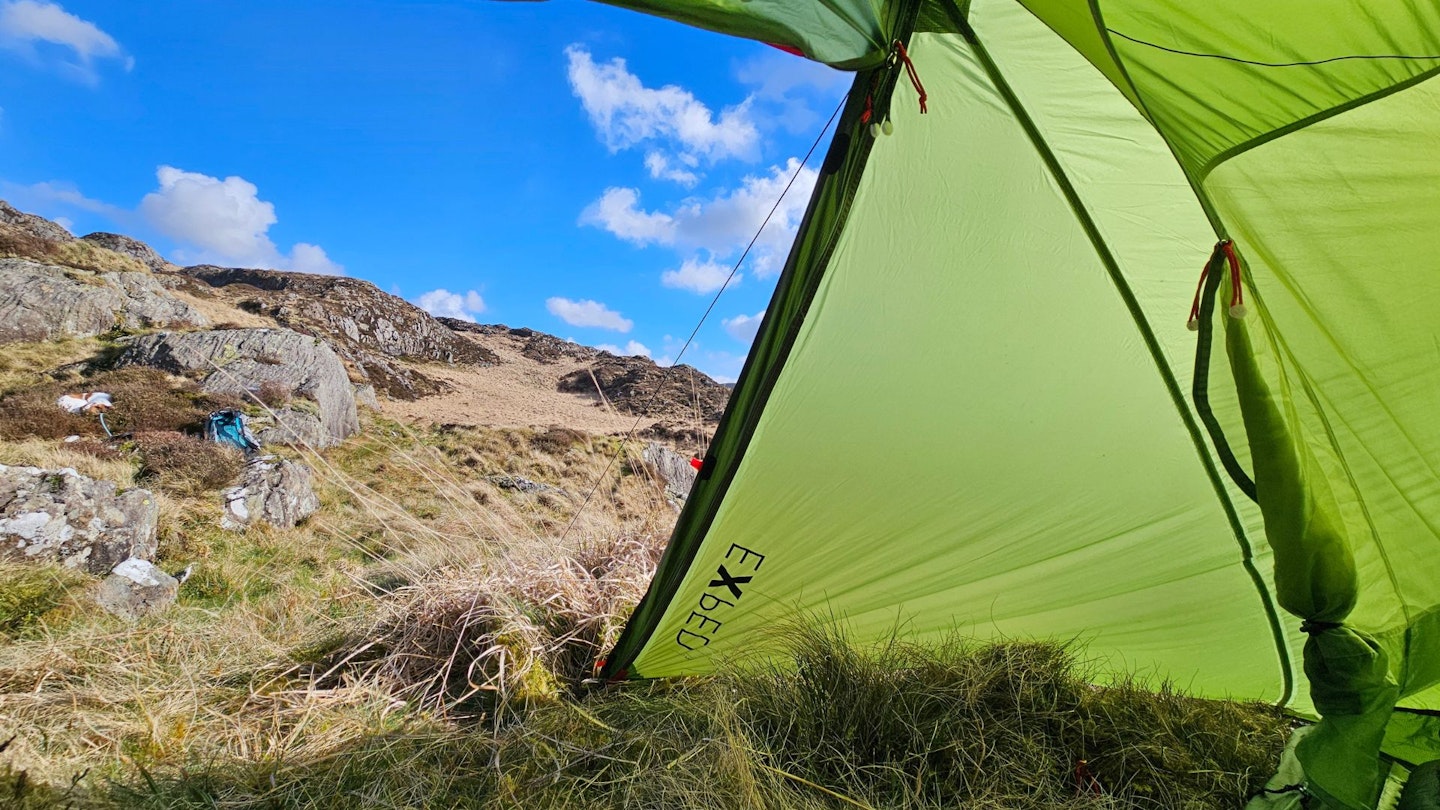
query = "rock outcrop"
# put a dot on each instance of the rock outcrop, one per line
(290, 426)
(516, 483)
(39, 227)
(272, 490)
(635, 385)
(367, 327)
(63, 516)
(133, 248)
(675, 470)
(47, 302)
(537, 346)
(136, 589)
(239, 361)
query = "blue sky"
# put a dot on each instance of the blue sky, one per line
(568, 166)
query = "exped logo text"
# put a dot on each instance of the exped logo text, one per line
(720, 597)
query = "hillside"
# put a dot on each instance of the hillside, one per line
(453, 371)
(401, 602)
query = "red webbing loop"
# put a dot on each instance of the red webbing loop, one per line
(910, 71)
(1237, 294)
(1226, 248)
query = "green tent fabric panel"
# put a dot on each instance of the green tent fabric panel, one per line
(1426, 700)
(1340, 225)
(1211, 75)
(842, 33)
(1149, 217)
(970, 433)
(1413, 737)
(1074, 20)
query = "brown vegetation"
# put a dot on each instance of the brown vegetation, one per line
(145, 400)
(274, 394)
(185, 464)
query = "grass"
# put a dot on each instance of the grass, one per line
(30, 593)
(26, 364)
(423, 641)
(837, 726)
(77, 254)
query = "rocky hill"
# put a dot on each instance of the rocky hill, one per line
(54, 286)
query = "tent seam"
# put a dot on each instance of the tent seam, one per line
(1107, 259)
(1241, 148)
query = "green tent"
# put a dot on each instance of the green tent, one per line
(981, 398)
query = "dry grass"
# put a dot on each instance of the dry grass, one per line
(87, 457)
(231, 673)
(79, 254)
(997, 727)
(23, 365)
(89, 256)
(524, 626)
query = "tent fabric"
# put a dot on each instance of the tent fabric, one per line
(843, 33)
(974, 406)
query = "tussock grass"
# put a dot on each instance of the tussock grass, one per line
(995, 726)
(523, 627)
(185, 464)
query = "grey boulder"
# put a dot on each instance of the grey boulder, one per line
(133, 248)
(63, 516)
(239, 361)
(273, 491)
(136, 589)
(34, 225)
(290, 426)
(674, 469)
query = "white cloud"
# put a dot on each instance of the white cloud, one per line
(744, 327)
(728, 221)
(661, 167)
(445, 304)
(721, 225)
(617, 211)
(23, 23)
(699, 276)
(633, 348)
(588, 313)
(625, 112)
(224, 222)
